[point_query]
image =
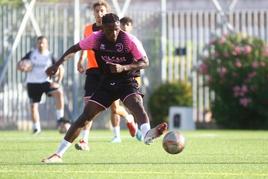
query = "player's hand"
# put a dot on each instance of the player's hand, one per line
(52, 70)
(80, 68)
(115, 68)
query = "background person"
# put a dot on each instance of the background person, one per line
(35, 63)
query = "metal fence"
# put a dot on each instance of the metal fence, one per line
(186, 34)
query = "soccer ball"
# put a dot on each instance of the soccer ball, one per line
(25, 65)
(173, 142)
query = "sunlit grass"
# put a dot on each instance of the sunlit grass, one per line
(208, 154)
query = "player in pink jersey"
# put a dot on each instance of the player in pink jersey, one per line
(118, 55)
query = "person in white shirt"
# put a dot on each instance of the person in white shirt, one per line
(35, 63)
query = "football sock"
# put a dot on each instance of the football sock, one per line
(64, 145)
(37, 125)
(85, 134)
(59, 113)
(116, 131)
(145, 127)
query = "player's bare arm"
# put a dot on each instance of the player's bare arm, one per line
(136, 65)
(80, 66)
(54, 68)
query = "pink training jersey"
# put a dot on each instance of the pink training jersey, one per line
(125, 50)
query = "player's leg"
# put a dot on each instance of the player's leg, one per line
(93, 77)
(115, 120)
(83, 142)
(54, 90)
(35, 118)
(90, 111)
(134, 103)
(35, 92)
(120, 110)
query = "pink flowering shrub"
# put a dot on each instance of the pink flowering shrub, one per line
(235, 68)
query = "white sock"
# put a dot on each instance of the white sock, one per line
(64, 145)
(37, 125)
(129, 118)
(145, 127)
(116, 131)
(59, 113)
(85, 134)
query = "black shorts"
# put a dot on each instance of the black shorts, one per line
(35, 91)
(111, 90)
(93, 78)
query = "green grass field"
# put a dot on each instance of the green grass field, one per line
(208, 154)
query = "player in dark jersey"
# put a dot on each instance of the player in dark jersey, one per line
(118, 55)
(100, 8)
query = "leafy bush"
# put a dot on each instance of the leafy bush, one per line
(236, 70)
(167, 95)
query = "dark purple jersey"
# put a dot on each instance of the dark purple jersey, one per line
(125, 50)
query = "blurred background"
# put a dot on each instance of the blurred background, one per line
(173, 32)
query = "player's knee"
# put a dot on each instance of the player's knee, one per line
(114, 109)
(59, 92)
(56, 94)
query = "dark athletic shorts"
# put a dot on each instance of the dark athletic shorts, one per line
(35, 91)
(93, 78)
(113, 89)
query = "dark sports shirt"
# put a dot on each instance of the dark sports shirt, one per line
(125, 50)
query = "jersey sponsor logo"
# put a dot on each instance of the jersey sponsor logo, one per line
(114, 59)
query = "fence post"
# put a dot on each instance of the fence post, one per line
(163, 40)
(76, 57)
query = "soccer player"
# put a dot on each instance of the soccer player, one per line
(126, 24)
(93, 76)
(118, 55)
(38, 83)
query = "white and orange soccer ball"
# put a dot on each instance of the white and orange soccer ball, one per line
(173, 142)
(25, 65)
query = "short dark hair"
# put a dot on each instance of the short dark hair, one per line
(41, 37)
(110, 18)
(126, 20)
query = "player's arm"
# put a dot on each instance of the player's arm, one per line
(141, 61)
(136, 65)
(80, 64)
(85, 44)
(54, 68)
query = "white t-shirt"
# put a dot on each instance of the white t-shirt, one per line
(40, 63)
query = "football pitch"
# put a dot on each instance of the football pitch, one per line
(208, 154)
